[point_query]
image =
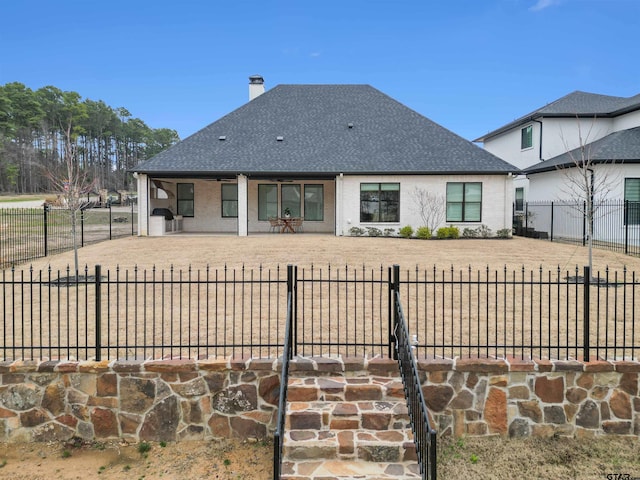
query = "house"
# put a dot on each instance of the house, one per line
(339, 156)
(547, 142)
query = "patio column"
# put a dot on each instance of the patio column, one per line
(143, 204)
(243, 206)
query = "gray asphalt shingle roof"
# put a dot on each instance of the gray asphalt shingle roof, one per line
(313, 121)
(617, 147)
(576, 103)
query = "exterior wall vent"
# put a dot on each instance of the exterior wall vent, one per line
(222, 138)
(350, 125)
(279, 138)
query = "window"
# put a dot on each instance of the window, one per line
(527, 137)
(291, 199)
(229, 200)
(632, 201)
(267, 201)
(314, 202)
(464, 202)
(379, 202)
(185, 199)
(520, 199)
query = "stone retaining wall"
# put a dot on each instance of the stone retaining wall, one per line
(175, 400)
(161, 400)
(532, 398)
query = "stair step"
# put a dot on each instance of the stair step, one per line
(371, 415)
(373, 446)
(339, 388)
(343, 469)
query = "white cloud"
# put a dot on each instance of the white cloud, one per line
(315, 54)
(542, 4)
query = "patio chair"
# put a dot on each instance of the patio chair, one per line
(296, 223)
(275, 224)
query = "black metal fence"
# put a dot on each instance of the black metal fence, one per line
(278, 436)
(616, 223)
(30, 233)
(143, 313)
(558, 314)
(425, 436)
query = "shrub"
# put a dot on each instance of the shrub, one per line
(470, 233)
(484, 231)
(448, 232)
(356, 232)
(504, 233)
(389, 232)
(423, 233)
(374, 232)
(406, 231)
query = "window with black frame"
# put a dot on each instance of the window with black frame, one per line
(526, 139)
(185, 198)
(632, 201)
(267, 201)
(379, 202)
(229, 200)
(464, 201)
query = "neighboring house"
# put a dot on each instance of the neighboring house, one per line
(339, 156)
(544, 145)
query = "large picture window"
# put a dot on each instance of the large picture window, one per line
(267, 201)
(314, 202)
(229, 200)
(379, 202)
(464, 202)
(526, 140)
(632, 201)
(185, 199)
(291, 200)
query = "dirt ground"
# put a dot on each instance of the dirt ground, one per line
(306, 249)
(486, 458)
(110, 460)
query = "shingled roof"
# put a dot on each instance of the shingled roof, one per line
(581, 104)
(323, 130)
(617, 147)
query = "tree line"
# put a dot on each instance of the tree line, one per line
(38, 126)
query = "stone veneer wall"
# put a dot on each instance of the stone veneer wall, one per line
(532, 398)
(159, 400)
(183, 399)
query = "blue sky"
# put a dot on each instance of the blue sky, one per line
(469, 65)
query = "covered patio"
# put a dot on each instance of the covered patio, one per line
(239, 205)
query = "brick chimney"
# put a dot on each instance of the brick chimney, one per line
(256, 86)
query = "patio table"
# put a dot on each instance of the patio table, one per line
(287, 224)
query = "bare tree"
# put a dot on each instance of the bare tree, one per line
(430, 207)
(74, 184)
(585, 187)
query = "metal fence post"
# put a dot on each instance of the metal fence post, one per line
(291, 289)
(584, 223)
(98, 281)
(626, 227)
(551, 235)
(46, 229)
(586, 311)
(395, 289)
